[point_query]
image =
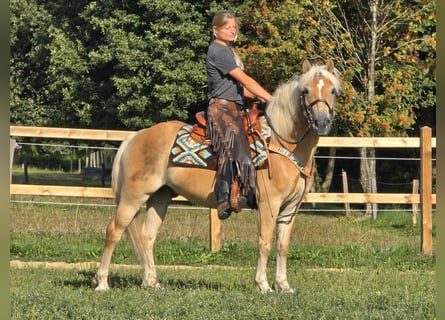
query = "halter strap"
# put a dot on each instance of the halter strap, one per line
(281, 137)
(307, 108)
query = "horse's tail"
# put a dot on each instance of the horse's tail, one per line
(116, 175)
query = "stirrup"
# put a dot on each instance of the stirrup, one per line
(224, 210)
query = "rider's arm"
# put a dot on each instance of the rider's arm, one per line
(252, 89)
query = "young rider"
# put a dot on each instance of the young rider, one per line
(228, 85)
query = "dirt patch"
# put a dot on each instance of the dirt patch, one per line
(54, 265)
(94, 265)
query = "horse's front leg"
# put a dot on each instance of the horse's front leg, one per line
(284, 228)
(266, 225)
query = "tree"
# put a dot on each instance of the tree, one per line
(29, 40)
(107, 64)
(392, 68)
(150, 57)
(277, 36)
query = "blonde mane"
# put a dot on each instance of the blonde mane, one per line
(283, 110)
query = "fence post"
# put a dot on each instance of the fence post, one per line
(215, 231)
(426, 190)
(374, 207)
(103, 174)
(25, 171)
(346, 191)
(12, 146)
(415, 206)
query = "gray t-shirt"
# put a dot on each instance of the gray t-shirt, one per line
(219, 62)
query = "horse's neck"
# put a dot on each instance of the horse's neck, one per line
(305, 150)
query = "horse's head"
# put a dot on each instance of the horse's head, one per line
(319, 88)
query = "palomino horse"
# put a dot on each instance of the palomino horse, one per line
(143, 173)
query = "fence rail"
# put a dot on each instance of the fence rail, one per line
(425, 198)
(116, 135)
(95, 192)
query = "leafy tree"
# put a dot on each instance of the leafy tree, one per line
(277, 36)
(29, 41)
(387, 51)
(107, 64)
(387, 61)
(391, 68)
(149, 57)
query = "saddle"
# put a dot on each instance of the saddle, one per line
(251, 123)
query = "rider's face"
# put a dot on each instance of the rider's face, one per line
(227, 32)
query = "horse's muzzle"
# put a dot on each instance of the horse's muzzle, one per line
(322, 126)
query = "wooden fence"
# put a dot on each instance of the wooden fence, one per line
(426, 199)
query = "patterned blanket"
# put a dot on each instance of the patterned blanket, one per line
(187, 151)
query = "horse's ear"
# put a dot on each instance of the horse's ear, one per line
(330, 66)
(306, 66)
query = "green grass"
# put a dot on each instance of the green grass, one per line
(340, 268)
(40, 246)
(223, 294)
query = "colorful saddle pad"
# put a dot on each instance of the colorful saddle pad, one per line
(187, 151)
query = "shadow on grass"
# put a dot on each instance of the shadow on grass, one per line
(193, 284)
(85, 278)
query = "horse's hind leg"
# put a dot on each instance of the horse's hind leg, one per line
(125, 213)
(143, 230)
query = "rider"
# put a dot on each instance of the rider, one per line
(228, 84)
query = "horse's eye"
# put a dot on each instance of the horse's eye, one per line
(333, 92)
(304, 91)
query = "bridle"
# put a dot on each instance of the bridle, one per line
(307, 108)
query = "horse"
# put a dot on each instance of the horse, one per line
(301, 110)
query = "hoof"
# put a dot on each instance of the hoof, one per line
(286, 290)
(155, 285)
(102, 288)
(283, 289)
(264, 288)
(267, 291)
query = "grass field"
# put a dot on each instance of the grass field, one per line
(340, 268)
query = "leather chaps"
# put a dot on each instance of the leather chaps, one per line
(229, 140)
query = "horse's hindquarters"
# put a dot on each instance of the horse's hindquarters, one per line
(146, 166)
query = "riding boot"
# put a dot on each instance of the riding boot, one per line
(251, 199)
(222, 191)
